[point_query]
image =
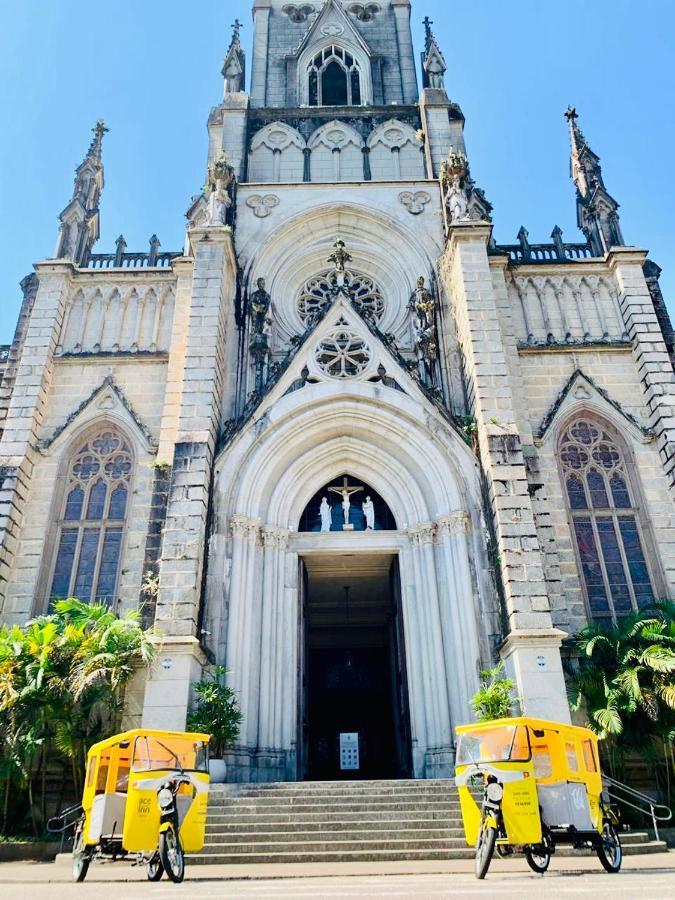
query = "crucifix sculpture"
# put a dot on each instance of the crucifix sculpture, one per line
(345, 490)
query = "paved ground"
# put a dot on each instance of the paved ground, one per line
(647, 878)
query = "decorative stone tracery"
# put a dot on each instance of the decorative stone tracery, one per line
(317, 294)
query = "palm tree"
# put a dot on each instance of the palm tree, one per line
(625, 683)
(62, 682)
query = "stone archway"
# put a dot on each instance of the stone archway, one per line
(428, 478)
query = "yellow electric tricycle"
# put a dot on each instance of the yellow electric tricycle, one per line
(145, 796)
(530, 784)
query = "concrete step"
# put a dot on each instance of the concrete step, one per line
(350, 787)
(329, 856)
(327, 835)
(328, 806)
(223, 825)
(283, 843)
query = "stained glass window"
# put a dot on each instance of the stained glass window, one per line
(605, 518)
(92, 520)
(334, 78)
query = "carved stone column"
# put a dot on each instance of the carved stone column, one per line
(428, 658)
(458, 612)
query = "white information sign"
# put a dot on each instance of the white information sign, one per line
(349, 750)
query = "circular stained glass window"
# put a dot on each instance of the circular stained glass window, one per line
(318, 293)
(343, 354)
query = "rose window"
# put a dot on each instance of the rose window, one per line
(317, 294)
(343, 354)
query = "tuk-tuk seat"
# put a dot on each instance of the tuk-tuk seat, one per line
(107, 815)
(565, 803)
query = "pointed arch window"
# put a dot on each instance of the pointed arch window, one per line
(92, 519)
(604, 516)
(334, 78)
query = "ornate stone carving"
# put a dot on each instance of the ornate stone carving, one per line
(342, 354)
(423, 309)
(299, 13)
(262, 206)
(332, 29)
(244, 528)
(218, 189)
(462, 200)
(318, 293)
(421, 534)
(364, 12)
(274, 538)
(457, 522)
(414, 202)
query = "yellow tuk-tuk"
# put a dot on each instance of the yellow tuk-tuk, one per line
(146, 794)
(540, 785)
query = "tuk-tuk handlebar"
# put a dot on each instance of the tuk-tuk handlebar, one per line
(502, 775)
(64, 822)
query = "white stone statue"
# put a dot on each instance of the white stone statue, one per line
(369, 514)
(219, 201)
(346, 505)
(458, 203)
(326, 514)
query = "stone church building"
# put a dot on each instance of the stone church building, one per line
(341, 442)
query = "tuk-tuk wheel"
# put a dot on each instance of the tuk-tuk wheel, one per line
(538, 858)
(609, 851)
(171, 854)
(485, 847)
(154, 868)
(81, 855)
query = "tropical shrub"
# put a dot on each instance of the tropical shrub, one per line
(216, 712)
(624, 683)
(495, 697)
(62, 681)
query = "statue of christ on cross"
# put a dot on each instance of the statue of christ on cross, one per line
(345, 490)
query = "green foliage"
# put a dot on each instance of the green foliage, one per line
(495, 697)
(217, 712)
(62, 681)
(625, 684)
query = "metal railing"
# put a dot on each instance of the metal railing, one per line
(643, 803)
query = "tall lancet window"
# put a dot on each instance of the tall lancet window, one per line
(92, 519)
(334, 79)
(605, 520)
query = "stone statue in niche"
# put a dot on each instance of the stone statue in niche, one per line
(423, 311)
(326, 514)
(260, 302)
(339, 257)
(457, 201)
(219, 185)
(368, 509)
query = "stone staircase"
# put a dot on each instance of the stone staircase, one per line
(345, 821)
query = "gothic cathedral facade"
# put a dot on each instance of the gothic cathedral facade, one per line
(342, 442)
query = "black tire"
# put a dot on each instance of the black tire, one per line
(485, 848)
(538, 857)
(610, 852)
(81, 855)
(171, 854)
(154, 868)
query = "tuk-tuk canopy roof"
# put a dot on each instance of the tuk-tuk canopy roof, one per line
(575, 732)
(146, 732)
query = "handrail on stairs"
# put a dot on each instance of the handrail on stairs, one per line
(643, 803)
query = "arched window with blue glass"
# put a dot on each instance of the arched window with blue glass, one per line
(347, 504)
(605, 519)
(92, 519)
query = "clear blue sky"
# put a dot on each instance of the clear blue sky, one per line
(151, 69)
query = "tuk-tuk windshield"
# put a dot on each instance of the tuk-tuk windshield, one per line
(504, 743)
(169, 753)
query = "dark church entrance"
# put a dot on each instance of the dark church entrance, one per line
(354, 709)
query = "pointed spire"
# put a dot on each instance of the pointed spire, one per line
(80, 227)
(96, 146)
(433, 61)
(597, 214)
(234, 64)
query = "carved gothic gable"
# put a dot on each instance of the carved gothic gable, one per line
(106, 403)
(332, 23)
(581, 392)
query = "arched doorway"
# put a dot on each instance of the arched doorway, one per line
(354, 717)
(261, 565)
